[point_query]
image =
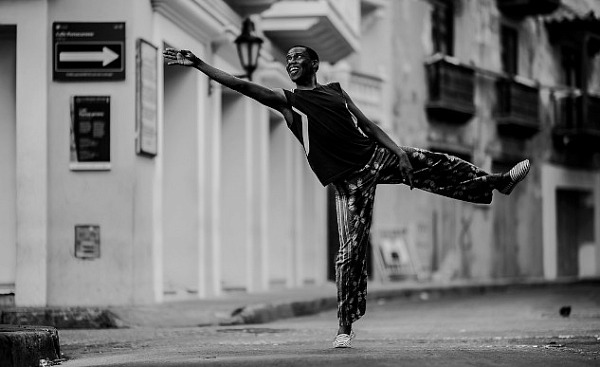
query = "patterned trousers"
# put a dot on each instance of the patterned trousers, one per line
(437, 173)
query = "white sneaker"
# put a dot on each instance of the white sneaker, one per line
(344, 340)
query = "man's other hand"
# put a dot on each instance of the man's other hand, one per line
(406, 168)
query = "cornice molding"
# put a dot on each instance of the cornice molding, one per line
(206, 20)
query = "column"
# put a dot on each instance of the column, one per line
(32, 151)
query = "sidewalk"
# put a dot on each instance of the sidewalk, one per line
(257, 308)
(28, 345)
(249, 308)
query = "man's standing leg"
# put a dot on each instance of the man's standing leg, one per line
(354, 205)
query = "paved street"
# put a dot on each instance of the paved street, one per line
(517, 327)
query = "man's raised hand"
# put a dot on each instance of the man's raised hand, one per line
(180, 57)
(406, 168)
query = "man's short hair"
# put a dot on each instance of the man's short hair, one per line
(311, 53)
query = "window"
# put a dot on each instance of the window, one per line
(442, 27)
(509, 49)
(593, 67)
(571, 67)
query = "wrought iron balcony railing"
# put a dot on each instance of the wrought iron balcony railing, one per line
(578, 124)
(367, 93)
(451, 90)
(524, 8)
(517, 112)
(366, 90)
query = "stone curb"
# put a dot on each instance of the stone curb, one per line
(62, 318)
(25, 346)
(264, 312)
(260, 313)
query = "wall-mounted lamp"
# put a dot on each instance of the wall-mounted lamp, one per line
(248, 47)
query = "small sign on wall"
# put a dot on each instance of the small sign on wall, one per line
(90, 133)
(87, 241)
(85, 51)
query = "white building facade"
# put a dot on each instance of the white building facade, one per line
(221, 198)
(223, 205)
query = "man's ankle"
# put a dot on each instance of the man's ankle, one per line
(345, 329)
(498, 180)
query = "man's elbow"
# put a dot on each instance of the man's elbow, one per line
(367, 128)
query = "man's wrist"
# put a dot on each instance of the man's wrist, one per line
(398, 151)
(196, 62)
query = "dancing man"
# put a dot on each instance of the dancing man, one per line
(347, 150)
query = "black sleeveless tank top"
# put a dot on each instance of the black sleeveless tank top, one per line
(327, 130)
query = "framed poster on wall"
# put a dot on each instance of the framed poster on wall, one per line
(90, 133)
(146, 99)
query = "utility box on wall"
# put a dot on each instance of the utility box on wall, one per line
(87, 241)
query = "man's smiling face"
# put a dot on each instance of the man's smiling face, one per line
(299, 65)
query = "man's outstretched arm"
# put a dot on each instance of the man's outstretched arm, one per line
(266, 96)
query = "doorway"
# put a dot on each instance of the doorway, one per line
(280, 253)
(506, 241)
(8, 158)
(234, 203)
(180, 185)
(575, 231)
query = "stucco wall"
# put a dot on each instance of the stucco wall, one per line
(458, 240)
(31, 147)
(118, 200)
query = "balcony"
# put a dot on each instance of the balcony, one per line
(578, 127)
(451, 90)
(525, 8)
(332, 31)
(366, 90)
(518, 108)
(247, 7)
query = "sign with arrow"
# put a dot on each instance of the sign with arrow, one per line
(88, 51)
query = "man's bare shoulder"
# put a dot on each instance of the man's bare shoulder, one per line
(281, 95)
(285, 109)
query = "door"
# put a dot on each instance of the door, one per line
(506, 217)
(575, 229)
(180, 185)
(8, 186)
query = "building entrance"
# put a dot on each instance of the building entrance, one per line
(8, 183)
(180, 185)
(575, 232)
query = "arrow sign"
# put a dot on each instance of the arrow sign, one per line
(88, 51)
(106, 56)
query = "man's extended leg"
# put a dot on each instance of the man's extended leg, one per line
(442, 174)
